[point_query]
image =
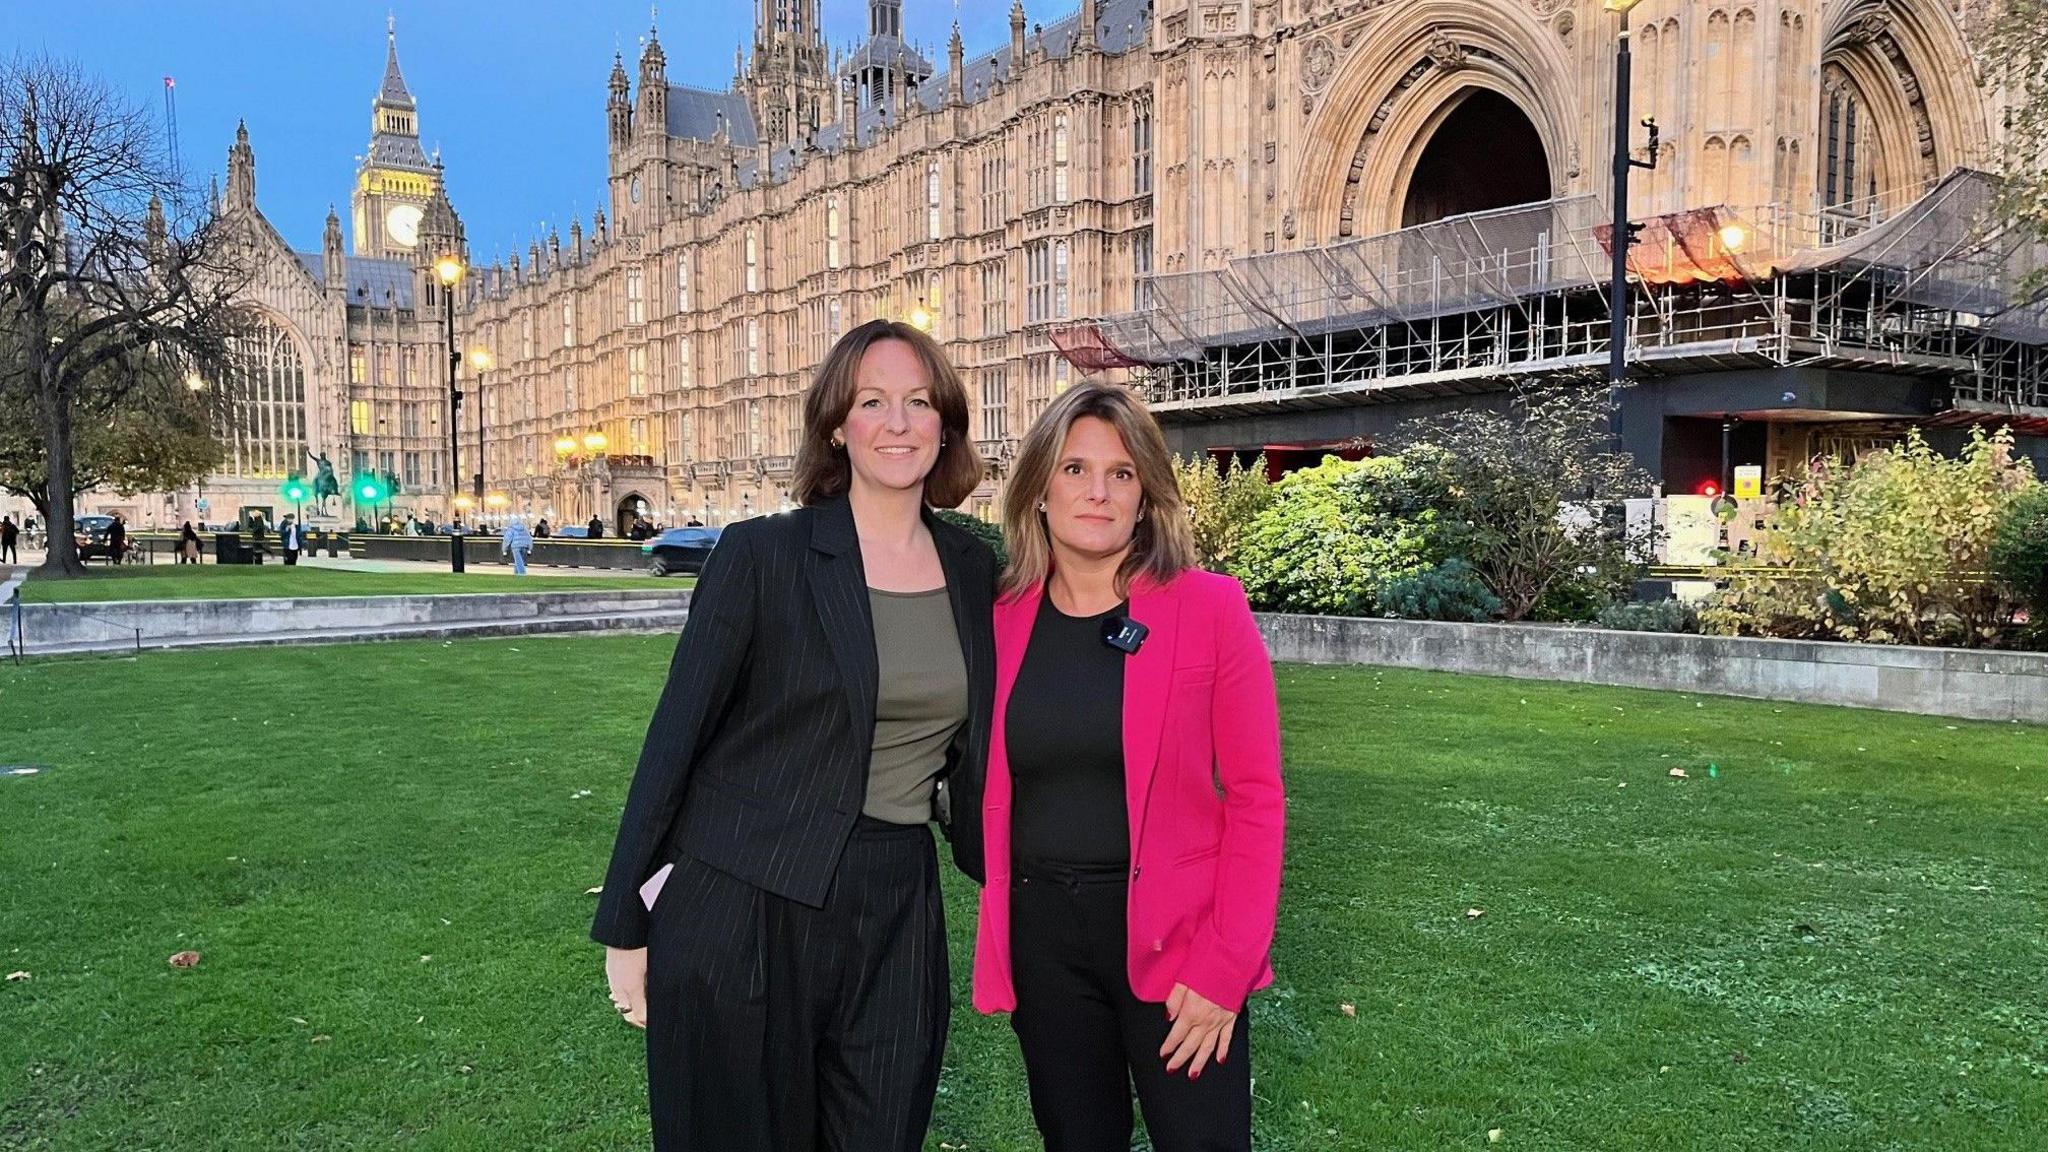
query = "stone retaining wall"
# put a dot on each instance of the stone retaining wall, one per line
(1931, 681)
(70, 627)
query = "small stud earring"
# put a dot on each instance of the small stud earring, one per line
(837, 443)
(1041, 505)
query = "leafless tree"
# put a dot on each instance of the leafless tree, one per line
(105, 260)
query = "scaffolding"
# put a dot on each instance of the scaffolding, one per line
(1936, 287)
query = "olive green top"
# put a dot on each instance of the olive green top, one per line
(920, 703)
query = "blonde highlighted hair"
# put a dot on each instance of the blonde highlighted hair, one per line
(1163, 544)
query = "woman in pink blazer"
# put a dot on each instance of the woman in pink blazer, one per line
(1133, 810)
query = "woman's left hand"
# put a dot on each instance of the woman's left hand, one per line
(1201, 1029)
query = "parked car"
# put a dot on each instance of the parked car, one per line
(90, 532)
(681, 550)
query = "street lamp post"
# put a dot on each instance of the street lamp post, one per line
(1624, 234)
(449, 269)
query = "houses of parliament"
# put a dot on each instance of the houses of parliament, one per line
(1033, 203)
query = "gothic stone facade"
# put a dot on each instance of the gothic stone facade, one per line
(1032, 182)
(1002, 193)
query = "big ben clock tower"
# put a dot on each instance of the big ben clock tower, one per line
(395, 181)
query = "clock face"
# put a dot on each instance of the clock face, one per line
(634, 190)
(403, 222)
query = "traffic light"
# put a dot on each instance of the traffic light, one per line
(391, 485)
(371, 490)
(295, 490)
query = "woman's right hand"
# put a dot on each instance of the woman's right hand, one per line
(626, 970)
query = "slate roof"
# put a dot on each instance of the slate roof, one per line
(693, 114)
(370, 281)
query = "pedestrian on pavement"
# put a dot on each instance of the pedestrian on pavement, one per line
(8, 534)
(117, 540)
(540, 530)
(188, 545)
(412, 525)
(1123, 946)
(288, 536)
(596, 527)
(694, 523)
(772, 912)
(516, 543)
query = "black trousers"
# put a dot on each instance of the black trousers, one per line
(291, 555)
(1087, 1038)
(773, 1026)
(7, 553)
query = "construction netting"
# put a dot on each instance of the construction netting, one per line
(1950, 250)
(1943, 250)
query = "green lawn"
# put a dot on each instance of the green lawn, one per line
(238, 582)
(1831, 935)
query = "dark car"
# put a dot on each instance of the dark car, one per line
(90, 533)
(680, 550)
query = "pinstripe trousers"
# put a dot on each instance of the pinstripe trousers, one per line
(773, 1026)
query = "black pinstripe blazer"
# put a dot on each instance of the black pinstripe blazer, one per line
(756, 760)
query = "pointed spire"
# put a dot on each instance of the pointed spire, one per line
(393, 90)
(956, 66)
(241, 170)
(1016, 35)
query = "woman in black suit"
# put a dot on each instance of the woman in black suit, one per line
(772, 912)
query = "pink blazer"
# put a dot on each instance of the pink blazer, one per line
(1201, 730)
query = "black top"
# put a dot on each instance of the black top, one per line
(1065, 738)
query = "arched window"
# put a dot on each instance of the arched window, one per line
(1849, 157)
(1059, 280)
(753, 264)
(931, 201)
(1059, 158)
(832, 233)
(266, 417)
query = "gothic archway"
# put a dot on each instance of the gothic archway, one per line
(1484, 154)
(1898, 104)
(1403, 81)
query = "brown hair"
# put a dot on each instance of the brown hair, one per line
(823, 471)
(1162, 546)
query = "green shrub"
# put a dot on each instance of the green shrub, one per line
(1892, 549)
(1662, 616)
(2019, 550)
(987, 533)
(1222, 503)
(1450, 591)
(1519, 493)
(1333, 538)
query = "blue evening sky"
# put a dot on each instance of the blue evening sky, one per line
(512, 91)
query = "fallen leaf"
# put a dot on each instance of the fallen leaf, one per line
(593, 891)
(1474, 913)
(184, 959)
(1350, 1010)
(1679, 773)
(465, 1069)
(16, 977)
(298, 1020)
(322, 1038)
(1495, 1135)
(426, 956)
